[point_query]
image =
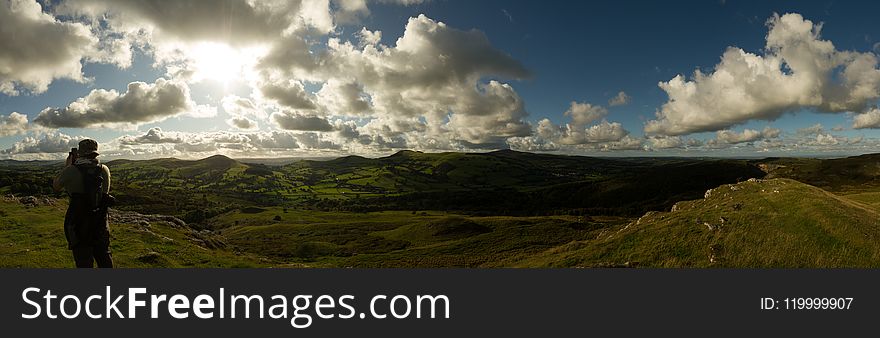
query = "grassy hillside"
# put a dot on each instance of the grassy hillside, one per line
(400, 239)
(856, 173)
(770, 223)
(31, 236)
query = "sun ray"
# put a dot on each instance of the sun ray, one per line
(220, 62)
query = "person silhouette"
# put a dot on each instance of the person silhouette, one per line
(86, 226)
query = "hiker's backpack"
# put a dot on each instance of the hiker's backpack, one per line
(93, 184)
(86, 221)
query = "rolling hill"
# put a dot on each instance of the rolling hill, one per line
(846, 174)
(496, 209)
(758, 223)
(533, 184)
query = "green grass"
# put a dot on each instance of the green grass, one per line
(401, 239)
(33, 237)
(481, 241)
(868, 198)
(773, 223)
(265, 237)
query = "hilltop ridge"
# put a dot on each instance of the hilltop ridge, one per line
(757, 223)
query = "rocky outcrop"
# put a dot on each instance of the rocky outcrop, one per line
(32, 201)
(131, 217)
(145, 223)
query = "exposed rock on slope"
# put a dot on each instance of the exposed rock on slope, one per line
(205, 238)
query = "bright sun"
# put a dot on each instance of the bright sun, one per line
(219, 62)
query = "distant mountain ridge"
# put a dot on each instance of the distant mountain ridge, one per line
(530, 183)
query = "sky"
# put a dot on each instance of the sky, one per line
(309, 78)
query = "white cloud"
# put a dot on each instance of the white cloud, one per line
(815, 129)
(826, 140)
(571, 134)
(36, 49)
(351, 11)
(487, 116)
(605, 132)
(296, 121)
(581, 133)
(732, 137)
(602, 136)
(625, 143)
(369, 38)
(272, 140)
(433, 73)
(674, 142)
(196, 40)
(666, 142)
(343, 99)
(141, 103)
(531, 143)
(236, 22)
(185, 142)
(13, 124)
(444, 81)
(153, 136)
(435, 86)
(620, 99)
(694, 143)
(243, 123)
(770, 132)
(346, 130)
(747, 135)
(315, 141)
(798, 71)
(868, 120)
(240, 110)
(235, 105)
(48, 143)
(287, 93)
(582, 114)
(857, 139)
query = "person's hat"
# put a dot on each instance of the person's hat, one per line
(87, 147)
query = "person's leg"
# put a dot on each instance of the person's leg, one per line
(102, 243)
(83, 257)
(103, 257)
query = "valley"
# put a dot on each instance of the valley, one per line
(497, 209)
